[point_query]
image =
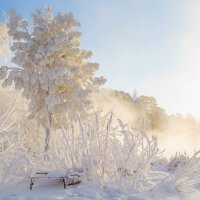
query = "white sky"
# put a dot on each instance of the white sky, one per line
(154, 47)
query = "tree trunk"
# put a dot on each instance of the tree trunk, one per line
(47, 139)
(48, 133)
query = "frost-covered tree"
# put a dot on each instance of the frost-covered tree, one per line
(153, 114)
(52, 71)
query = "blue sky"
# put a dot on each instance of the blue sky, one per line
(151, 46)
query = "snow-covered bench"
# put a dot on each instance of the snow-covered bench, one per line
(67, 178)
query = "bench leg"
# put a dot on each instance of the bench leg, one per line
(64, 181)
(31, 184)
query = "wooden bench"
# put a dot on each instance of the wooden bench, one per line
(68, 179)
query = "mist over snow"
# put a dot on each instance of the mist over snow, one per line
(176, 133)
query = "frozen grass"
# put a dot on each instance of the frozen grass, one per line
(101, 145)
(110, 154)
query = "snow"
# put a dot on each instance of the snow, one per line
(53, 189)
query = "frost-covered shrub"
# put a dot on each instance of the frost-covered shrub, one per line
(107, 151)
(176, 161)
(7, 120)
(187, 174)
(184, 175)
(15, 156)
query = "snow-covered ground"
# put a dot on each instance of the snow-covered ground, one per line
(53, 189)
